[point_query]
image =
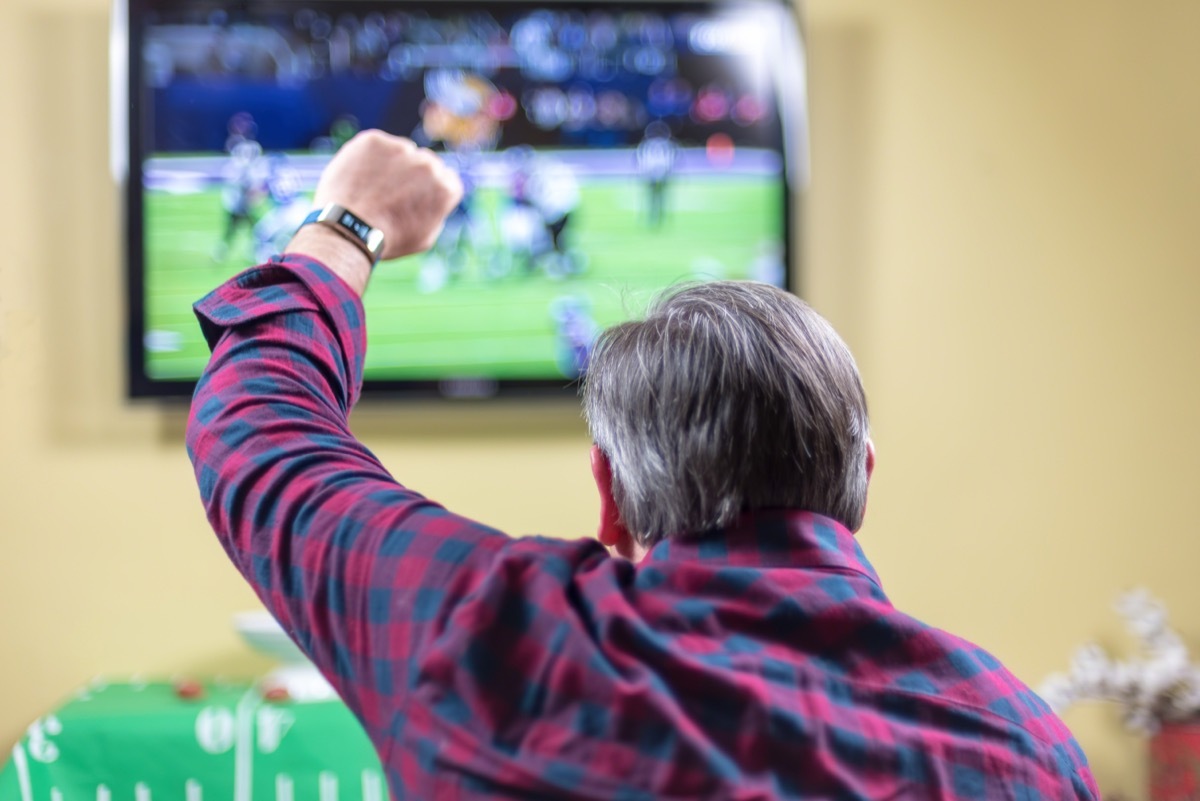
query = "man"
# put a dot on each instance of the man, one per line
(741, 649)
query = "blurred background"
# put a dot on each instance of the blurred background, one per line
(1002, 222)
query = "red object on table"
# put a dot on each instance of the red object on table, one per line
(1175, 763)
(276, 693)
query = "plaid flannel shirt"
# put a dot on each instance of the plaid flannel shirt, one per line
(762, 661)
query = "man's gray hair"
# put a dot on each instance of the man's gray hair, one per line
(727, 397)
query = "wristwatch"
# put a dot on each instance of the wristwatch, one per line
(368, 238)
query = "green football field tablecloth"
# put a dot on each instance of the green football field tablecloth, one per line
(142, 742)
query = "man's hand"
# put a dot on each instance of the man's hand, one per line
(386, 180)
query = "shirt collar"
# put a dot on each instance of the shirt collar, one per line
(771, 538)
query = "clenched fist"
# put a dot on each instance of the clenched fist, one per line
(389, 182)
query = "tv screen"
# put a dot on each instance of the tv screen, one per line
(608, 151)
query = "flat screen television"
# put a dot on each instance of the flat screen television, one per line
(609, 150)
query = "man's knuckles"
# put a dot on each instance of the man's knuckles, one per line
(376, 140)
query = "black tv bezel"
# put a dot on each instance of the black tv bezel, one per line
(126, 64)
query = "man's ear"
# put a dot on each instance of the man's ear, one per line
(612, 531)
(870, 470)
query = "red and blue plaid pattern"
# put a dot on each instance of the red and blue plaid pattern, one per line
(763, 661)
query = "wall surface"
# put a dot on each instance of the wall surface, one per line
(1002, 222)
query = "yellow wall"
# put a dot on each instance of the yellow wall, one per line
(1001, 222)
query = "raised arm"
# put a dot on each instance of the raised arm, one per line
(356, 567)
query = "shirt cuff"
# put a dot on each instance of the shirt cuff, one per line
(290, 283)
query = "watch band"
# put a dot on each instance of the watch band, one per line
(368, 238)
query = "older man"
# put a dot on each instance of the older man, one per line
(740, 647)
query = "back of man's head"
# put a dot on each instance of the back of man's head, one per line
(728, 397)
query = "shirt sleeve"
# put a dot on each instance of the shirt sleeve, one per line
(358, 569)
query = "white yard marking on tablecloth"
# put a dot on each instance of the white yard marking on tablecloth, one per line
(193, 791)
(41, 748)
(243, 755)
(372, 789)
(272, 724)
(283, 787)
(22, 766)
(328, 786)
(141, 792)
(103, 793)
(216, 729)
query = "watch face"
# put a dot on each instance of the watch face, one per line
(340, 216)
(360, 228)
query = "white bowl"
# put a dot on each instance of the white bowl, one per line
(264, 634)
(296, 674)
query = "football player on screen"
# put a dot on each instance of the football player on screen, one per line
(553, 190)
(463, 112)
(576, 332)
(289, 207)
(656, 157)
(244, 176)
